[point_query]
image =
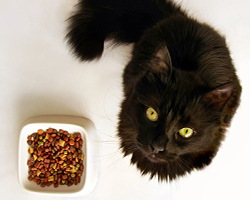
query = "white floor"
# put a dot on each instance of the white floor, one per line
(39, 76)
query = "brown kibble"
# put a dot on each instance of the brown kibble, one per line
(66, 148)
(69, 156)
(49, 183)
(53, 135)
(30, 178)
(43, 170)
(29, 142)
(45, 156)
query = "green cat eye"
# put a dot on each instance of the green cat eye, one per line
(186, 132)
(151, 114)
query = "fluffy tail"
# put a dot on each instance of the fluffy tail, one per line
(123, 21)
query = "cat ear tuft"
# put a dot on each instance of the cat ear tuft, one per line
(162, 59)
(218, 97)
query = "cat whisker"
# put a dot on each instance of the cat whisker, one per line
(182, 160)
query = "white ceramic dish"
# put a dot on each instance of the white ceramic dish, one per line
(71, 124)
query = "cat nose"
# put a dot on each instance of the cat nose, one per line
(157, 148)
(159, 144)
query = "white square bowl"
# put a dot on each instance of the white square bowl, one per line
(71, 124)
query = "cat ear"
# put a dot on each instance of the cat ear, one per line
(162, 59)
(218, 97)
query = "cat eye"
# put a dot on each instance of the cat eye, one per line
(151, 114)
(186, 132)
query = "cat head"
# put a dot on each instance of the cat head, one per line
(175, 114)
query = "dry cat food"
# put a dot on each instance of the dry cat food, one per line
(55, 157)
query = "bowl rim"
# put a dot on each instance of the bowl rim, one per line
(89, 133)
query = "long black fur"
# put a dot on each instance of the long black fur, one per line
(180, 67)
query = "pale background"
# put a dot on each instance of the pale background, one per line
(39, 76)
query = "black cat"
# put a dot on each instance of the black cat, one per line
(180, 87)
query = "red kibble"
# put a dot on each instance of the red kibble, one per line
(50, 138)
(49, 183)
(47, 160)
(59, 179)
(32, 159)
(50, 130)
(78, 179)
(65, 132)
(77, 145)
(29, 163)
(43, 184)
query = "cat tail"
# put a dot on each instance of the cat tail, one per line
(95, 21)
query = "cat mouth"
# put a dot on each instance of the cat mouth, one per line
(161, 157)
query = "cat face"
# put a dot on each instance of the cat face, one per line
(175, 113)
(168, 124)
